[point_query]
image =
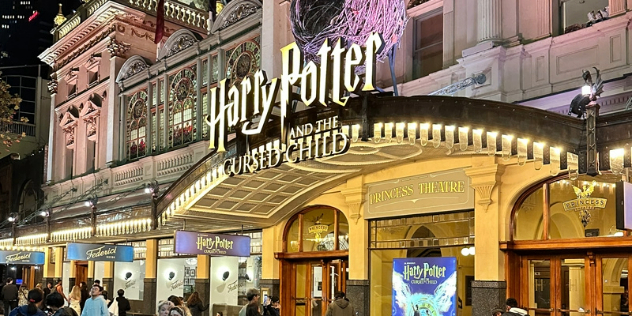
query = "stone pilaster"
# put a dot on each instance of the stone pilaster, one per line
(203, 287)
(358, 293)
(489, 21)
(273, 286)
(488, 295)
(149, 296)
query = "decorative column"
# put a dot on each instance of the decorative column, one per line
(122, 141)
(150, 125)
(489, 21)
(72, 278)
(358, 289)
(59, 263)
(52, 128)
(117, 53)
(90, 276)
(151, 262)
(203, 278)
(198, 100)
(270, 265)
(489, 287)
(617, 7)
(48, 268)
(165, 102)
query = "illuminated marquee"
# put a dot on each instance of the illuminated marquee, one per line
(255, 96)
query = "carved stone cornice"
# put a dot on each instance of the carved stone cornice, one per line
(483, 181)
(354, 197)
(82, 49)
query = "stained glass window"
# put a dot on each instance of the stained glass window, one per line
(136, 125)
(182, 108)
(214, 69)
(243, 60)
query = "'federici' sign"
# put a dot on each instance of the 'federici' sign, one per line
(194, 243)
(22, 257)
(100, 252)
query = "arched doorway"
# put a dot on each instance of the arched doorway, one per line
(314, 260)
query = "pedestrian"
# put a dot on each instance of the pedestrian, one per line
(497, 312)
(48, 289)
(75, 299)
(23, 293)
(106, 297)
(95, 305)
(252, 309)
(55, 303)
(252, 295)
(340, 306)
(97, 282)
(274, 308)
(177, 302)
(84, 294)
(9, 296)
(164, 307)
(177, 311)
(195, 304)
(34, 299)
(511, 305)
(60, 289)
(121, 304)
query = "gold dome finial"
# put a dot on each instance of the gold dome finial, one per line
(60, 18)
(219, 6)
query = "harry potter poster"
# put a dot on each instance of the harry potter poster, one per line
(424, 287)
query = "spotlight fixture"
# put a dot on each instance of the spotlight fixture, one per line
(43, 214)
(92, 202)
(589, 93)
(152, 187)
(12, 217)
(225, 275)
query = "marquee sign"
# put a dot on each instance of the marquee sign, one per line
(194, 243)
(22, 257)
(100, 252)
(249, 103)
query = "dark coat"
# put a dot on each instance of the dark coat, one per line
(10, 293)
(197, 309)
(340, 307)
(123, 305)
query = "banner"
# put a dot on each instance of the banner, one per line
(100, 252)
(22, 257)
(193, 243)
(424, 287)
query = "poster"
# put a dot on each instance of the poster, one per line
(424, 286)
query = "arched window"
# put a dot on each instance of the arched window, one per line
(182, 108)
(136, 125)
(28, 200)
(560, 208)
(316, 229)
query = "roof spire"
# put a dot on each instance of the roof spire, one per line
(60, 18)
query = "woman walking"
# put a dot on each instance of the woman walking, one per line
(75, 299)
(195, 304)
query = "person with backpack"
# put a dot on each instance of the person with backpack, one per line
(34, 299)
(56, 302)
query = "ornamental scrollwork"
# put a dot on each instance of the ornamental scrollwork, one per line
(118, 48)
(239, 13)
(181, 44)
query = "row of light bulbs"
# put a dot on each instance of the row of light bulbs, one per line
(125, 227)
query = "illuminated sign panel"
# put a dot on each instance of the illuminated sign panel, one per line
(194, 243)
(100, 252)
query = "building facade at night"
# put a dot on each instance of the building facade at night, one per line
(482, 171)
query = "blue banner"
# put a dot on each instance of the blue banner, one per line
(100, 252)
(22, 257)
(424, 287)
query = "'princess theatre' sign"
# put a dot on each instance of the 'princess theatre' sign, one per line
(249, 103)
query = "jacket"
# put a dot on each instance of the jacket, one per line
(197, 309)
(515, 311)
(123, 305)
(10, 293)
(95, 307)
(65, 311)
(340, 307)
(21, 311)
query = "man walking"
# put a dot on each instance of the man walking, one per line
(512, 308)
(95, 305)
(9, 296)
(253, 296)
(340, 306)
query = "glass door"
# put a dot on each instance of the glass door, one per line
(315, 284)
(614, 298)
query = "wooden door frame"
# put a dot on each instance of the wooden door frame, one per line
(287, 271)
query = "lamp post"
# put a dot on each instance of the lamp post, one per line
(154, 189)
(592, 91)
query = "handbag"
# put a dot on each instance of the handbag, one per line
(113, 309)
